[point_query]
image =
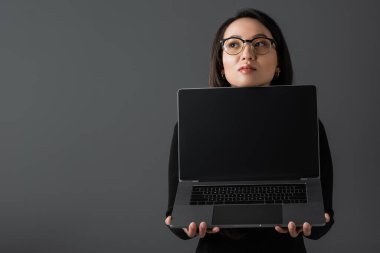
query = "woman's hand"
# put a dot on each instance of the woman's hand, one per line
(294, 232)
(191, 231)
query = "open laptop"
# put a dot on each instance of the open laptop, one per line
(248, 157)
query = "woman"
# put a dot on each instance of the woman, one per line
(250, 50)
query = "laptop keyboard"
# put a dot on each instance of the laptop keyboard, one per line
(248, 194)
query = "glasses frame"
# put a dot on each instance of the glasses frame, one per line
(272, 42)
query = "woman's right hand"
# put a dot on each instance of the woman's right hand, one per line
(191, 231)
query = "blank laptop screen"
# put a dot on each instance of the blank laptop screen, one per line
(256, 133)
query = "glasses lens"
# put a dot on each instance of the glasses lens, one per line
(233, 46)
(261, 45)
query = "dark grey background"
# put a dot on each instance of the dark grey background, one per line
(88, 105)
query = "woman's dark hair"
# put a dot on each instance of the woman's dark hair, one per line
(284, 63)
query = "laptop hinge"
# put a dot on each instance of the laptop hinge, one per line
(303, 178)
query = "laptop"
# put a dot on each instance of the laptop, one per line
(248, 157)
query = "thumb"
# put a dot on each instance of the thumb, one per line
(168, 220)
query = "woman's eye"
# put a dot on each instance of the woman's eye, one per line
(260, 43)
(233, 45)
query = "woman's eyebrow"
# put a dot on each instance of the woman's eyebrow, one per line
(256, 35)
(238, 36)
(260, 35)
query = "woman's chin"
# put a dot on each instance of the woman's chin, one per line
(241, 85)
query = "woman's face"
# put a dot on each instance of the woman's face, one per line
(247, 69)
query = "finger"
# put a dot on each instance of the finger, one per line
(292, 229)
(327, 217)
(281, 230)
(213, 230)
(202, 229)
(192, 230)
(168, 220)
(306, 228)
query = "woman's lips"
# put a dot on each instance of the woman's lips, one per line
(246, 69)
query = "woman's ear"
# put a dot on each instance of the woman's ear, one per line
(277, 72)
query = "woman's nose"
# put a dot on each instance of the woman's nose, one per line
(248, 53)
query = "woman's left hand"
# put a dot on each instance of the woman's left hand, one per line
(294, 232)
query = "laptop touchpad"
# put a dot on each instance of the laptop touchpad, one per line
(247, 214)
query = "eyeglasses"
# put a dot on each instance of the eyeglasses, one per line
(234, 45)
